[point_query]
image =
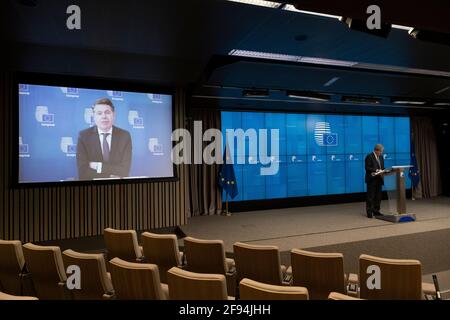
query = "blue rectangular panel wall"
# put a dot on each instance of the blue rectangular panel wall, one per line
(318, 154)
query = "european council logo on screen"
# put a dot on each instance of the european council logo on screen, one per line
(24, 89)
(115, 95)
(68, 147)
(323, 135)
(70, 92)
(155, 98)
(155, 147)
(89, 116)
(135, 120)
(45, 118)
(24, 151)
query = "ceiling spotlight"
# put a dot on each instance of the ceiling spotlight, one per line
(430, 36)
(360, 25)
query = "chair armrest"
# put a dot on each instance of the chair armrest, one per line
(109, 295)
(353, 285)
(232, 271)
(140, 259)
(287, 279)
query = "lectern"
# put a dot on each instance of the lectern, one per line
(399, 197)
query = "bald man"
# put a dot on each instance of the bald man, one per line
(374, 163)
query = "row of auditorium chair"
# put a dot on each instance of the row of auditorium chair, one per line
(159, 270)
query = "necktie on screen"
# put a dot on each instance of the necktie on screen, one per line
(105, 150)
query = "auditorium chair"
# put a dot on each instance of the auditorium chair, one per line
(186, 285)
(13, 271)
(254, 290)
(208, 256)
(123, 244)
(95, 280)
(137, 281)
(5, 296)
(321, 273)
(47, 271)
(340, 296)
(400, 279)
(259, 263)
(162, 250)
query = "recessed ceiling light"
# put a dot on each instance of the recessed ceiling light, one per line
(260, 3)
(408, 102)
(308, 95)
(364, 100)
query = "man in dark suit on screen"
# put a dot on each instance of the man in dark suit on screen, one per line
(103, 151)
(374, 164)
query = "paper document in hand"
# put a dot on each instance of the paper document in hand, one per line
(380, 172)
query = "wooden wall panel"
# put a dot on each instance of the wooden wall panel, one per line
(52, 213)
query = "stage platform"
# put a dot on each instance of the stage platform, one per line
(339, 228)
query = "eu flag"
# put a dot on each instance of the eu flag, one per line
(414, 171)
(227, 178)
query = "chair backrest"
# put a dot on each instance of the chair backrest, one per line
(47, 270)
(400, 279)
(122, 244)
(95, 281)
(12, 264)
(162, 250)
(254, 290)
(136, 281)
(4, 296)
(321, 273)
(340, 296)
(205, 256)
(259, 263)
(186, 285)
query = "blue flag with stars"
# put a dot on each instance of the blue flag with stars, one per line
(227, 178)
(414, 171)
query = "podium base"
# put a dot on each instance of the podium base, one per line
(398, 218)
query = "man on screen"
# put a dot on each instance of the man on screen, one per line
(103, 151)
(374, 164)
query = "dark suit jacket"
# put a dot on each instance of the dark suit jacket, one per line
(89, 150)
(372, 166)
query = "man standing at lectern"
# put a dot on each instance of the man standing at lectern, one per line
(374, 164)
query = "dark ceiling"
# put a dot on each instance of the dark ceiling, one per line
(184, 43)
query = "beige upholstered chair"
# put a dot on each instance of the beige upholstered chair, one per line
(321, 273)
(162, 250)
(400, 279)
(208, 256)
(12, 267)
(137, 281)
(47, 271)
(4, 296)
(254, 290)
(259, 263)
(95, 280)
(186, 285)
(340, 296)
(122, 244)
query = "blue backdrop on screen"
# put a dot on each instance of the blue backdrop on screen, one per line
(50, 119)
(319, 154)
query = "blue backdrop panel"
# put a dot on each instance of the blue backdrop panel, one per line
(319, 154)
